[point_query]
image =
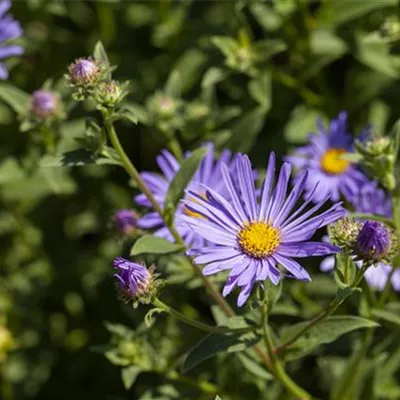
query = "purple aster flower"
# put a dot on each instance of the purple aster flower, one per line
(209, 174)
(84, 71)
(372, 200)
(253, 238)
(9, 29)
(125, 221)
(322, 157)
(133, 279)
(373, 241)
(44, 104)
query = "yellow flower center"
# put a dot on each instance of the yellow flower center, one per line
(259, 239)
(332, 163)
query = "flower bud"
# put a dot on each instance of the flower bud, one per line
(344, 232)
(125, 221)
(109, 94)
(373, 241)
(134, 281)
(44, 104)
(84, 72)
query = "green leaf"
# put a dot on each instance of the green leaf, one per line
(182, 178)
(76, 158)
(173, 87)
(100, 54)
(213, 76)
(260, 90)
(387, 316)
(154, 245)
(129, 375)
(302, 122)
(215, 343)
(253, 366)
(217, 398)
(325, 331)
(16, 98)
(333, 13)
(265, 49)
(225, 44)
(266, 16)
(10, 171)
(272, 294)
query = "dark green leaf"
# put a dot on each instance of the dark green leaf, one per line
(215, 343)
(17, 99)
(129, 375)
(153, 245)
(182, 178)
(325, 331)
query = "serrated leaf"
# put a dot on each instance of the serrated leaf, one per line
(16, 98)
(215, 343)
(129, 375)
(154, 245)
(182, 178)
(325, 331)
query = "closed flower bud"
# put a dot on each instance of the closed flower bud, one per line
(344, 232)
(45, 104)
(84, 72)
(134, 281)
(109, 94)
(125, 221)
(373, 241)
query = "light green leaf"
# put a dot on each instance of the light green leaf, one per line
(253, 366)
(213, 76)
(265, 49)
(387, 316)
(326, 331)
(225, 44)
(173, 87)
(10, 171)
(100, 54)
(217, 398)
(302, 122)
(182, 178)
(266, 16)
(129, 375)
(215, 343)
(16, 98)
(153, 245)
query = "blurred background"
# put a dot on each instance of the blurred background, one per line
(248, 75)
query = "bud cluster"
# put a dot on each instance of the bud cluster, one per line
(91, 78)
(125, 221)
(368, 241)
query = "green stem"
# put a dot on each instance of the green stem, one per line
(386, 291)
(204, 386)
(48, 137)
(333, 306)
(176, 149)
(195, 324)
(276, 365)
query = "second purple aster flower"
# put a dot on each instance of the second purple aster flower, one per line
(336, 177)
(257, 240)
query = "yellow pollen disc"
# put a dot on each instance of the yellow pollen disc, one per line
(191, 213)
(259, 239)
(332, 163)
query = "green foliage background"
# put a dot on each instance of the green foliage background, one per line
(248, 75)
